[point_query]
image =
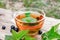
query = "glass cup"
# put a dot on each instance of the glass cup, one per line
(33, 27)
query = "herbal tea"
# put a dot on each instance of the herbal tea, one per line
(30, 21)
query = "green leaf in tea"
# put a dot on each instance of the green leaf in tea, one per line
(29, 20)
(27, 14)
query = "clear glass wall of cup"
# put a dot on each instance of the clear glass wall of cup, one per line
(33, 27)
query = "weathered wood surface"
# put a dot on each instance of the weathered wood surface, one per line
(6, 18)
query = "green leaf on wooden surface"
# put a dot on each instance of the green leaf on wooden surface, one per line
(19, 35)
(22, 33)
(51, 34)
(29, 38)
(14, 34)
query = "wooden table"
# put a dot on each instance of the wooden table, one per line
(5, 19)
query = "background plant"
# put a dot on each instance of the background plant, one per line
(51, 7)
(2, 4)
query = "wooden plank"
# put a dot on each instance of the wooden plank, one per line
(6, 20)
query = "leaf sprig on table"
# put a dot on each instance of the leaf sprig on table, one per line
(52, 34)
(19, 36)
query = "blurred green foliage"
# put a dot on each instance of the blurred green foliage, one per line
(2, 4)
(54, 12)
(57, 0)
(51, 7)
(27, 3)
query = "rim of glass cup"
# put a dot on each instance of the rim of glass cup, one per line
(30, 9)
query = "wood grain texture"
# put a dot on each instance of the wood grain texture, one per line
(6, 20)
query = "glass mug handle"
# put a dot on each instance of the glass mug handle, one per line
(13, 17)
(15, 13)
